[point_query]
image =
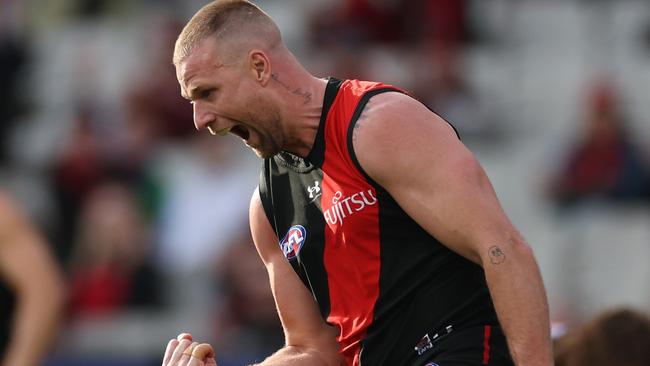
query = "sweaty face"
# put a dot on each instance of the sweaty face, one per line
(228, 99)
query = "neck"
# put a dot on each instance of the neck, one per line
(301, 101)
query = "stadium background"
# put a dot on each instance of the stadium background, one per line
(148, 218)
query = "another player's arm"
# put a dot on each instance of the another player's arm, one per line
(309, 340)
(27, 267)
(416, 156)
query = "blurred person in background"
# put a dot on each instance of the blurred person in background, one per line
(203, 178)
(617, 337)
(13, 59)
(604, 163)
(31, 290)
(248, 325)
(111, 269)
(336, 294)
(431, 33)
(156, 96)
(441, 85)
(88, 158)
(75, 173)
(360, 22)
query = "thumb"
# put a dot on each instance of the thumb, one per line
(203, 351)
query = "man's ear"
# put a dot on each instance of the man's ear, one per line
(260, 66)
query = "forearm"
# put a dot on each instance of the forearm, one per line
(38, 312)
(519, 297)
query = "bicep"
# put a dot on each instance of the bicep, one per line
(298, 311)
(454, 202)
(434, 178)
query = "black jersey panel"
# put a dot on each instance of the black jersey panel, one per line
(265, 195)
(292, 188)
(317, 153)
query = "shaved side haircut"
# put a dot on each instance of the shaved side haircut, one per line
(233, 22)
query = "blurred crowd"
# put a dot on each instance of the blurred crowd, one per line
(147, 218)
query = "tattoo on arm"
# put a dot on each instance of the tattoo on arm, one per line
(497, 256)
(295, 91)
(358, 123)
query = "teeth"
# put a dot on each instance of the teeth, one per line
(222, 132)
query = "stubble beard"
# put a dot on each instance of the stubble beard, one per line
(267, 118)
(271, 140)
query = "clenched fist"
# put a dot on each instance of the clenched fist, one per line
(182, 351)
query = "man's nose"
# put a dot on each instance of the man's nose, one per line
(202, 117)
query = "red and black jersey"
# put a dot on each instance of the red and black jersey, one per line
(392, 289)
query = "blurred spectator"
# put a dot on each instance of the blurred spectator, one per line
(605, 163)
(357, 22)
(248, 327)
(204, 204)
(89, 158)
(155, 96)
(111, 271)
(362, 22)
(74, 175)
(13, 59)
(432, 31)
(617, 337)
(440, 84)
(31, 290)
(90, 8)
(443, 22)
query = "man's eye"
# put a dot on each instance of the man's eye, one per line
(206, 93)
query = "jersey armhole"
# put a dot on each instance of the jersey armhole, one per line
(353, 122)
(355, 118)
(266, 194)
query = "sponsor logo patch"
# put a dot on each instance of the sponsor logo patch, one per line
(345, 206)
(423, 345)
(293, 241)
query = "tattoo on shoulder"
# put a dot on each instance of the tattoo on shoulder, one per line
(497, 256)
(359, 122)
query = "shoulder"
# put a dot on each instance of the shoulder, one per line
(394, 129)
(392, 114)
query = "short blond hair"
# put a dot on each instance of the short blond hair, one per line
(222, 18)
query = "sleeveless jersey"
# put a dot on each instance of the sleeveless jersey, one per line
(390, 287)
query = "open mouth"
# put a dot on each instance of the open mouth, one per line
(240, 131)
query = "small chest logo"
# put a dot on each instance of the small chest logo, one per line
(293, 241)
(314, 191)
(424, 345)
